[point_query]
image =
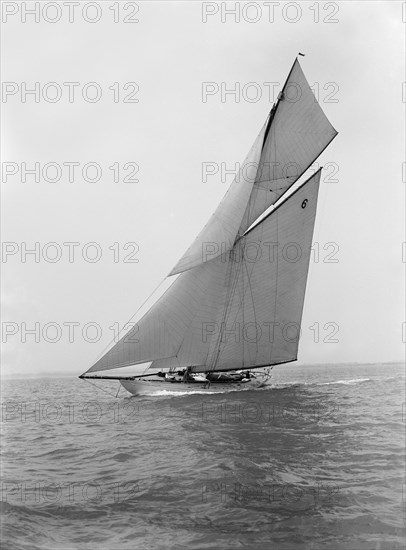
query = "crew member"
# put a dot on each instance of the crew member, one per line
(186, 375)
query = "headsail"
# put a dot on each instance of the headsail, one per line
(169, 327)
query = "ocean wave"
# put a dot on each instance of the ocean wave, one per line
(295, 462)
(346, 382)
(167, 393)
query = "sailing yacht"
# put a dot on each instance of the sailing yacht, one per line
(234, 306)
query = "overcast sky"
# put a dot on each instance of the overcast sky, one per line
(354, 57)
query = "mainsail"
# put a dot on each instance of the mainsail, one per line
(268, 267)
(241, 305)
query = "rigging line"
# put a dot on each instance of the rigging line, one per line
(234, 287)
(146, 368)
(242, 294)
(102, 389)
(249, 287)
(229, 297)
(249, 275)
(129, 321)
(196, 313)
(228, 277)
(260, 237)
(243, 310)
(251, 203)
(242, 247)
(276, 283)
(274, 143)
(254, 191)
(211, 358)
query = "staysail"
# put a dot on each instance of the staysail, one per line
(167, 326)
(241, 305)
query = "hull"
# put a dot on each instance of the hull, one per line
(145, 386)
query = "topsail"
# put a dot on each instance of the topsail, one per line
(295, 134)
(238, 302)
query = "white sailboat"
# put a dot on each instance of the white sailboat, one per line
(234, 308)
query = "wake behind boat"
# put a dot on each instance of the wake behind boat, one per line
(236, 296)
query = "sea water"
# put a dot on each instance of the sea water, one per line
(314, 462)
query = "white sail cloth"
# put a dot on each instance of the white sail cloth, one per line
(260, 323)
(162, 331)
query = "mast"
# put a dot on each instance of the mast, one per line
(275, 105)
